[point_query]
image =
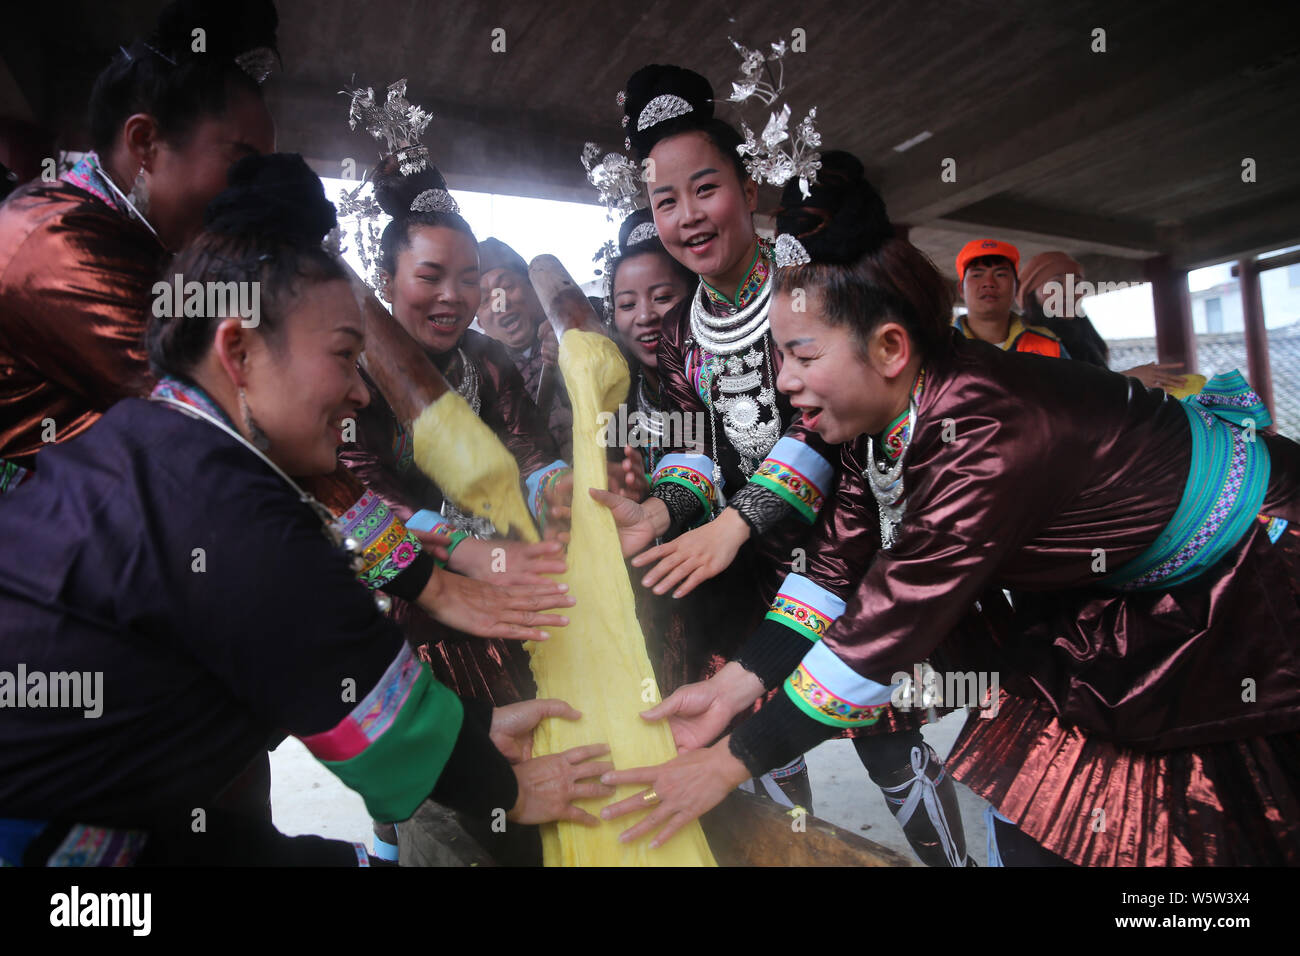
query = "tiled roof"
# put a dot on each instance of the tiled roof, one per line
(1225, 351)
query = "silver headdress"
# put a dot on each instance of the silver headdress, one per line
(666, 106)
(400, 124)
(435, 200)
(790, 251)
(766, 158)
(642, 233)
(615, 178)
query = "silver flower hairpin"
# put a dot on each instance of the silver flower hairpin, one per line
(789, 251)
(766, 158)
(615, 178)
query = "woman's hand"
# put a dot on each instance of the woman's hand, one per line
(503, 562)
(488, 610)
(1153, 375)
(692, 558)
(549, 785)
(513, 725)
(680, 790)
(638, 524)
(627, 477)
(697, 713)
(559, 508)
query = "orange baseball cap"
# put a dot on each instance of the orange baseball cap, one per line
(978, 248)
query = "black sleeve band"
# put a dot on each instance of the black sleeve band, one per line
(682, 504)
(777, 734)
(772, 653)
(477, 779)
(413, 578)
(762, 509)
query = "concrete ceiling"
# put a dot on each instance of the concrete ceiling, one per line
(1115, 156)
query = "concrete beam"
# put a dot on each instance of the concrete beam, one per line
(1029, 222)
(996, 153)
(1249, 230)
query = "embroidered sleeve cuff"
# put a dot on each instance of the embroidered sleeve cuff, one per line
(431, 521)
(693, 472)
(797, 474)
(831, 692)
(539, 483)
(387, 547)
(392, 746)
(774, 736)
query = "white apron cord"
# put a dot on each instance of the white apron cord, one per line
(922, 790)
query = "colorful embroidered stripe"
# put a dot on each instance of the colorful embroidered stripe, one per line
(831, 692)
(797, 474)
(539, 482)
(431, 521)
(1274, 527)
(805, 607)
(393, 745)
(98, 846)
(1225, 488)
(690, 471)
(388, 548)
(11, 476)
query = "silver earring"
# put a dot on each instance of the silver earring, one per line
(139, 194)
(260, 441)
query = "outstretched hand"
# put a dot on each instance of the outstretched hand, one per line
(638, 523)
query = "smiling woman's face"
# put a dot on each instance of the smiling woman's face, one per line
(646, 287)
(703, 212)
(303, 385)
(435, 293)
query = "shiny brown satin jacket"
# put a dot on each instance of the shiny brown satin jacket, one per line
(1021, 471)
(75, 276)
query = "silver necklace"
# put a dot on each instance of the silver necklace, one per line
(730, 334)
(327, 520)
(886, 482)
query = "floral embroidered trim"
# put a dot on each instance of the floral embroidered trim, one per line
(388, 547)
(827, 707)
(98, 846)
(805, 606)
(676, 470)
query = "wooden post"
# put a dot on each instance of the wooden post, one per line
(1252, 312)
(1175, 339)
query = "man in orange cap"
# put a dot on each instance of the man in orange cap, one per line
(987, 270)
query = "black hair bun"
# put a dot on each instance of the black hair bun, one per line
(638, 218)
(273, 197)
(843, 217)
(230, 28)
(395, 192)
(664, 80)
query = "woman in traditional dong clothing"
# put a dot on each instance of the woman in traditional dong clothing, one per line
(716, 361)
(1153, 703)
(215, 637)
